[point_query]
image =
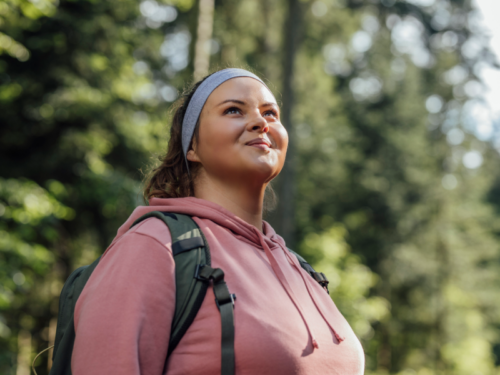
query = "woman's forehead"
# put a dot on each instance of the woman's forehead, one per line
(241, 88)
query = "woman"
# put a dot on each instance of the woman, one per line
(226, 145)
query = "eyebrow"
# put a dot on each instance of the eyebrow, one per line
(269, 104)
(231, 101)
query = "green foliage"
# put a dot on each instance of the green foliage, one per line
(350, 280)
(29, 216)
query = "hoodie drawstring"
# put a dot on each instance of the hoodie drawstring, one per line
(281, 277)
(306, 281)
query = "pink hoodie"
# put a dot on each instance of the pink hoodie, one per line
(285, 323)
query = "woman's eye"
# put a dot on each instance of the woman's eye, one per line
(232, 111)
(271, 113)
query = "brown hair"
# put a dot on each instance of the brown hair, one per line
(171, 178)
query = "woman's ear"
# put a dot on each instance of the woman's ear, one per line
(192, 155)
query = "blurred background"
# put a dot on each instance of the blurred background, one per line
(391, 187)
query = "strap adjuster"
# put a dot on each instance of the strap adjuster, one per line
(232, 299)
(204, 272)
(198, 274)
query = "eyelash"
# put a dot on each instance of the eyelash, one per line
(273, 112)
(231, 109)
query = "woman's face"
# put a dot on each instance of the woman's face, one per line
(240, 137)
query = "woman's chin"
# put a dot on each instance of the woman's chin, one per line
(263, 168)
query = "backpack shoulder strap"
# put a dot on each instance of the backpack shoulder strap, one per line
(191, 251)
(193, 274)
(318, 276)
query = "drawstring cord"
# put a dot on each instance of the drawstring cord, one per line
(281, 277)
(311, 292)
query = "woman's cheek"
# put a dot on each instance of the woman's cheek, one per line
(282, 138)
(222, 149)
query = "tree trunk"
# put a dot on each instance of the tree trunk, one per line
(284, 217)
(23, 353)
(203, 36)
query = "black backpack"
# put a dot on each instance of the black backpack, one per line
(193, 275)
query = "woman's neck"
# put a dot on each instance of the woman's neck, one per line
(243, 200)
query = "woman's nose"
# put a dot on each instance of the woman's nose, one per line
(258, 123)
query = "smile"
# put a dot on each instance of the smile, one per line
(261, 143)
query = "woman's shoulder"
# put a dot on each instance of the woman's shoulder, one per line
(147, 230)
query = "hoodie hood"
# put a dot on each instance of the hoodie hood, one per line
(204, 209)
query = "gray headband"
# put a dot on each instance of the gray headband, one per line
(199, 98)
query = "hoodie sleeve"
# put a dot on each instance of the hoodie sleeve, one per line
(124, 314)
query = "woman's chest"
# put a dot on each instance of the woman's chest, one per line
(272, 336)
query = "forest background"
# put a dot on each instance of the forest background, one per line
(391, 187)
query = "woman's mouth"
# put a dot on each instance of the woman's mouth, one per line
(260, 143)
